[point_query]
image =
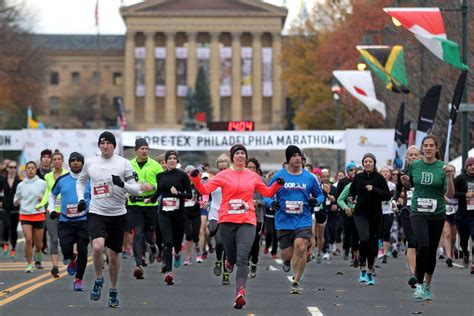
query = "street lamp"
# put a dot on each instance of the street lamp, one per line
(336, 94)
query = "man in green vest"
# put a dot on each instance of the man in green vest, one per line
(141, 217)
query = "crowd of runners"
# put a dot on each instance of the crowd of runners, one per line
(232, 212)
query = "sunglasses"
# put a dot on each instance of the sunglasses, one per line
(11, 167)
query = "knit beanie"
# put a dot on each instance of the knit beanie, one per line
(107, 136)
(469, 161)
(169, 153)
(291, 150)
(76, 156)
(235, 148)
(139, 142)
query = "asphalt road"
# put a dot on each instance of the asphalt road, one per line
(330, 288)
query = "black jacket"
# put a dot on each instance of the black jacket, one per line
(9, 193)
(460, 186)
(369, 203)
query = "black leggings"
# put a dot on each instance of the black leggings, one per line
(143, 223)
(70, 233)
(428, 233)
(192, 224)
(10, 232)
(368, 234)
(351, 235)
(466, 230)
(172, 231)
(386, 227)
(271, 237)
(256, 244)
(410, 238)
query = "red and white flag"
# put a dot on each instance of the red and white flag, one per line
(361, 86)
(428, 26)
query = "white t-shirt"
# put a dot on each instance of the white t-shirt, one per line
(106, 198)
(387, 205)
(215, 204)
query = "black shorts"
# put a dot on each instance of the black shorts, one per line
(144, 216)
(450, 218)
(321, 216)
(287, 237)
(70, 232)
(35, 224)
(111, 228)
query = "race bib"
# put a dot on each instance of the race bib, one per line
(101, 188)
(317, 208)
(409, 195)
(328, 201)
(427, 205)
(451, 209)
(189, 203)
(237, 206)
(71, 211)
(170, 204)
(294, 207)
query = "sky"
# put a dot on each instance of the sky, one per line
(77, 16)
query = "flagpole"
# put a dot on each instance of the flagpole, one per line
(448, 141)
(464, 114)
(98, 64)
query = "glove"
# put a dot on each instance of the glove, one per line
(280, 181)
(118, 181)
(312, 202)
(81, 206)
(53, 215)
(275, 205)
(194, 173)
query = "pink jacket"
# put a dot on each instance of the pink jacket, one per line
(237, 194)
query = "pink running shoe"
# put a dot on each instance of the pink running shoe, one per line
(240, 299)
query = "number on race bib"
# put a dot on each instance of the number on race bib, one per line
(294, 207)
(237, 206)
(170, 204)
(427, 205)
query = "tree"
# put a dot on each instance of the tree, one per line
(202, 95)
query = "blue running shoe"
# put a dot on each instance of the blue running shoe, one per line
(96, 289)
(72, 267)
(419, 292)
(113, 300)
(363, 276)
(177, 261)
(370, 279)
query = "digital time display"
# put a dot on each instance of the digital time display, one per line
(232, 126)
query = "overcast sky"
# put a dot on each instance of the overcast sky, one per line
(77, 16)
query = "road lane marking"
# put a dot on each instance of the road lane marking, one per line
(458, 265)
(20, 285)
(314, 311)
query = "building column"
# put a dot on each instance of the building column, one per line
(214, 70)
(236, 104)
(192, 60)
(278, 106)
(149, 79)
(129, 74)
(170, 99)
(257, 104)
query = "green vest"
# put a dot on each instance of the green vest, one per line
(49, 178)
(146, 174)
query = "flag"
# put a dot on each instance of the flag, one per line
(400, 140)
(96, 13)
(361, 86)
(428, 26)
(32, 123)
(428, 109)
(387, 63)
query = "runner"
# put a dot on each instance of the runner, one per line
(293, 217)
(141, 217)
(111, 177)
(192, 222)
(44, 168)
(388, 214)
(464, 185)
(331, 209)
(28, 195)
(432, 180)
(174, 187)
(319, 223)
(72, 227)
(237, 219)
(367, 191)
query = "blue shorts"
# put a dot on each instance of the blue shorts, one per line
(204, 212)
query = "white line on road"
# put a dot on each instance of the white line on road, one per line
(314, 311)
(458, 265)
(279, 261)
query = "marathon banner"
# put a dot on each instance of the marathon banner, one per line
(181, 71)
(222, 141)
(203, 55)
(376, 141)
(267, 76)
(11, 140)
(160, 71)
(140, 54)
(225, 72)
(246, 71)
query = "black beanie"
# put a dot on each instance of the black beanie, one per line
(291, 150)
(235, 148)
(169, 153)
(369, 155)
(139, 142)
(76, 156)
(108, 136)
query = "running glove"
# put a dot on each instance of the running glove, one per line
(118, 181)
(53, 215)
(81, 206)
(312, 202)
(194, 173)
(280, 181)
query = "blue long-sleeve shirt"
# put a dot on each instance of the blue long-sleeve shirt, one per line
(66, 186)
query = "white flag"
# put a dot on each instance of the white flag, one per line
(361, 86)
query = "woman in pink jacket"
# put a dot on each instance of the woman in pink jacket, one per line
(237, 217)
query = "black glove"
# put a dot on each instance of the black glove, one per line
(275, 205)
(53, 215)
(194, 173)
(118, 181)
(312, 202)
(81, 206)
(280, 181)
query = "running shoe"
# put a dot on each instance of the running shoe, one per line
(337, 252)
(395, 253)
(240, 299)
(265, 250)
(204, 255)
(169, 278)
(217, 268)
(370, 279)
(419, 292)
(253, 270)
(384, 259)
(177, 260)
(355, 263)
(113, 299)
(96, 289)
(229, 267)
(199, 259)
(12, 255)
(124, 255)
(449, 262)
(77, 285)
(138, 273)
(465, 262)
(274, 256)
(226, 278)
(38, 265)
(380, 254)
(38, 259)
(286, 266)
(29, 268)
(188, 261)
(296, 288)
(427, 296)
(55, 272)
(71, 267)
(412, 281)
(144, 264)
(363, 276)
(472, 269)
(326, 256)
(319, 259)
(5, 249)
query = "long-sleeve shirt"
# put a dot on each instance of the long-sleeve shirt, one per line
(107, 199)
(169, 201)
(237, 194)
(463, 184)
(9, 193)
(28, 193)
(341, 200)
(369, 203)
